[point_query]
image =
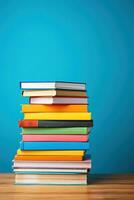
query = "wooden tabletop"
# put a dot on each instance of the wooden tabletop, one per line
(100, 187)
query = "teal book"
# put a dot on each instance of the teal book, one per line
(54, 145)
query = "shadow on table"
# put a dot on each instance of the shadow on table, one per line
(99, 178)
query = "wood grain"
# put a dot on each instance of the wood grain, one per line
(100, 187)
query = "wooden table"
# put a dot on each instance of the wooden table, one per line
(100, 187)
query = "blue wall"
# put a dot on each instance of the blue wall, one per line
(72, 40)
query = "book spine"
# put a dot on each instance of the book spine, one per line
(22, 145)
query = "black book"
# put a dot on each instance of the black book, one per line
(55, 123)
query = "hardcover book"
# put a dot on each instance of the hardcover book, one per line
(37, 108)
(58, 116)
(49, 158)
(49, 171)
(56, 131)
(84, 164)
(56, 179)
(51, 153)
(53, 85)
(58, 100)
(46, 93)
(54, 145)
(55, 123)
(55, 138)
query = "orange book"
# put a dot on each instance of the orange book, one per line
(26, 108)
(49, 158)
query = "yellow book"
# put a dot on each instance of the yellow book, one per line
(50, 153)
(58, 116)
(27, 108)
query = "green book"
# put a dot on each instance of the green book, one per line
(70, 130)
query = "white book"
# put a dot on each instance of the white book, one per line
(50, 170)
(53, 85)
(58, 100)
(52, 92)
(51, 182)
(86, 164)
(51, 178)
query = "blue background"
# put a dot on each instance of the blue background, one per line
(72, 40)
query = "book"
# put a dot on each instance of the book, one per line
(51, 153)
(54, 145)
(58, 116)
(46, 93)
(55, 138)
(49, 158)
(84, 164)
(27, 108)
(58, 100)
(55, 134)
(48, 179)
(49, 171)
(53, 85)
(51, 182)
(49, 176)
(57, 131)
(55, 123)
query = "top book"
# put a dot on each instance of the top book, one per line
(53, 85)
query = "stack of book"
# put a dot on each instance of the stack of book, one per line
(55, 134)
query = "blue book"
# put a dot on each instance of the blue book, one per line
(54, 145)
